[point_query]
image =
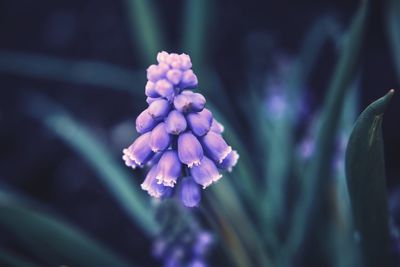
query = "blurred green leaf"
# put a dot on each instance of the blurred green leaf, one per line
(393, 31)
(313, 195)
(196, 18)
(12, 260)
(345, 252)
(145, 28)
(325, 29)
(365, 171)
(246, 184)
(85, 72)
(86, 143)
(55, 241)
(233, 215)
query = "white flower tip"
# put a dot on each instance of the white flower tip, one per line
(166, 181)
(225, 154)
(194, 163)
(213, 180)
(144, 186)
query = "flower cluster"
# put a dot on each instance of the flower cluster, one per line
(180, 140)
(190, 249)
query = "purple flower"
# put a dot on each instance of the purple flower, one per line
(216, 127)
(139, 152)
(188, 101)
(216, 146)
(190, 192)
(203, 242)
(197, 263)
(174, 76)
(145, 122)
(207, 113)
(190, 151)
(159, 109)
(306, 147)
(150, 89)
(150, 100)
(175, 122)
(199, 123)
(164, 88)
(178, 134)
(152, 186)
(206, 173)
(189, 79)
(186, 63)
(127, 159)
(160, 139)
(229, 161)
(157, 72)
(168, 168)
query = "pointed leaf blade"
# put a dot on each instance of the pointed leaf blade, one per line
(365, 175)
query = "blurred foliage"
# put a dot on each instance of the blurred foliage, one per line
(50, 239)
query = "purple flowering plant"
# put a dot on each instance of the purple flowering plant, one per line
(180, 140)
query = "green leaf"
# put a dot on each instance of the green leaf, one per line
(93, 73)
(223, 200)
(365, 173)
(56, 242)
(12, 260)
(195, 23)
(393, 31)
(323, 30)
(111, 172)
(145, 28)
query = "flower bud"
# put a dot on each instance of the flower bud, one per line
(199, 123)
(215, 146)
(155, 73)
(190, 151)
(159, 109)
(206, 173)
(190, 192)
(216, 127)
(145, 122)
(159, 139)
(175, 122)
(186, 63)
(229, 161)
(164, 88)
(140, 152)
(150, 89)
(189, 80)
(169, 168)
(152, 187)
(174, 76)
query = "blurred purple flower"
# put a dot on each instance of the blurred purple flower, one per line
(203, 242)
(277, 105)
(179, 136)
(188, 248)
(197, 263)
(190, 192)
(306, 147)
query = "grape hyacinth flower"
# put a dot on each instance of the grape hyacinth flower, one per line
(185, 249)
(181, 142)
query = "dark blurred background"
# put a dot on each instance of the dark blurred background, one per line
(240, 36)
